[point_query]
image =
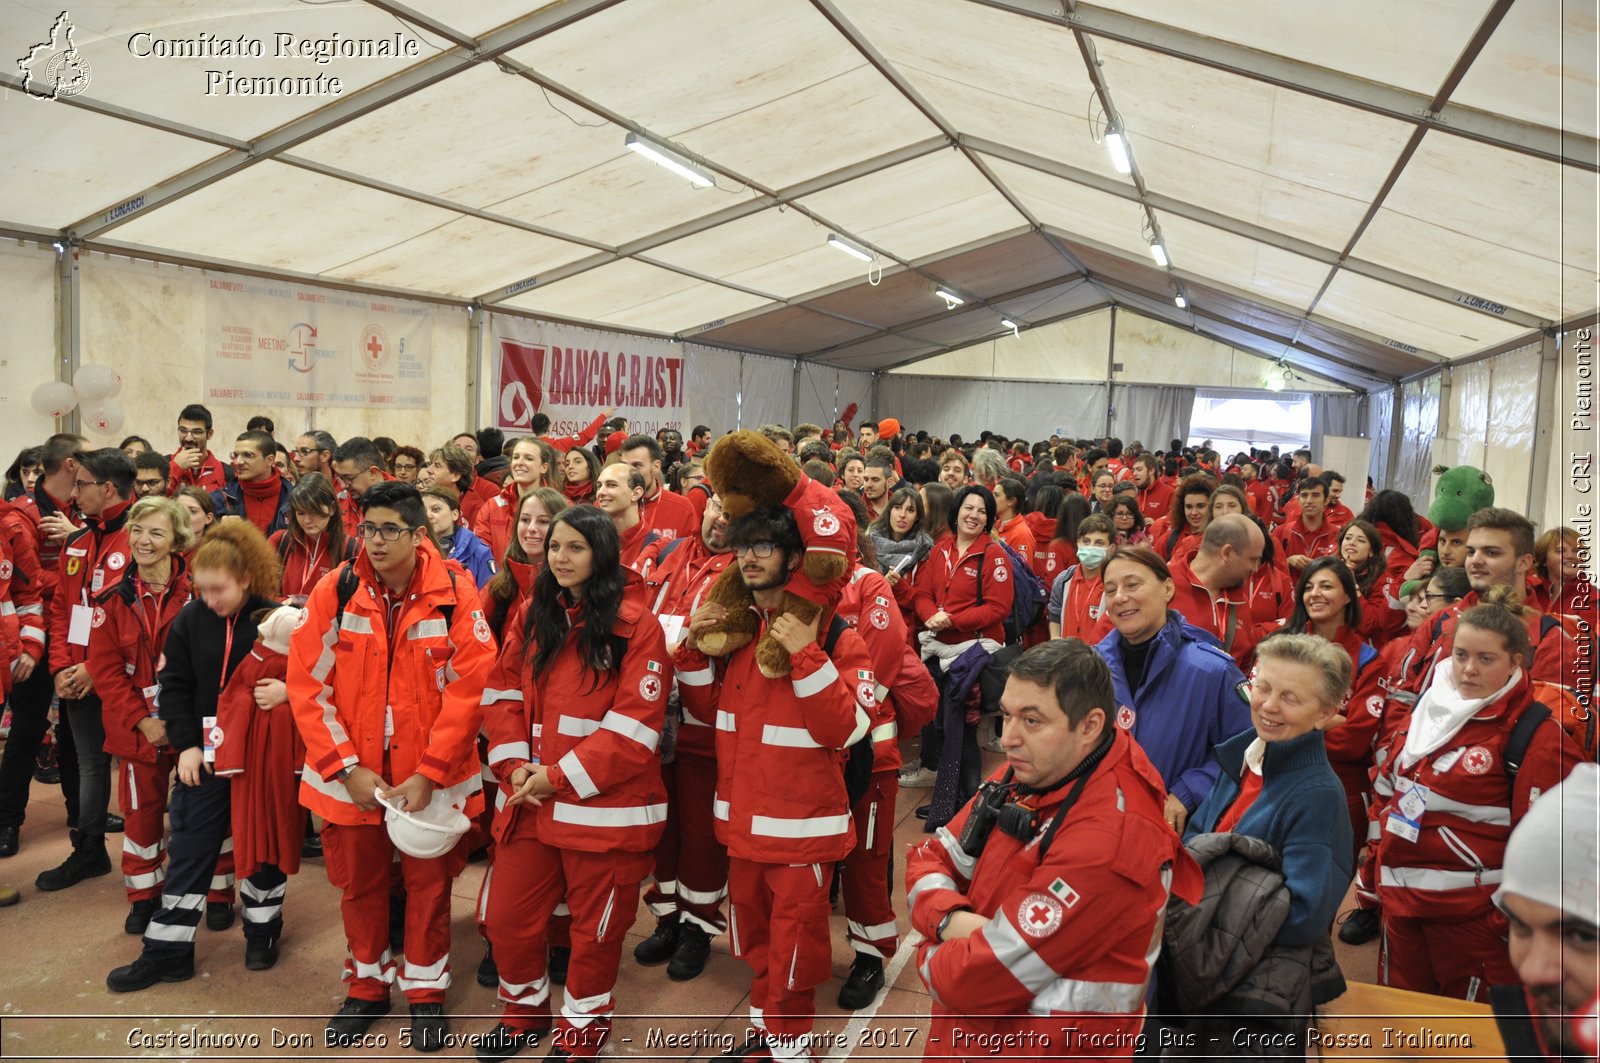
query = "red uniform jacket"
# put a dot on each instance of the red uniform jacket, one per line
(1555, 654)
(1352, 744)
(953, 584)
(826, 526)
(1155, 501)
(1226, 616)
(210, 475)
(780, 795)
(582, 439)
(263, 754)
(1083, 611)
(27, 583)
(1454, 866)
(496, 521)
(92, 559)
(1337, 515)
(868, 606)
(474, 498)
(429, 671)
(682, 581)
(1261, 501)
(1271, 594)
(669, 515)
(28, 509)
(1070, 933)
(1016, 534)
(599, 735)
(1161, 540)
(1294, 538)
(125, 656)
(304, 564)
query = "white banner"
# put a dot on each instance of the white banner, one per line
(572, 374)
(271, 342)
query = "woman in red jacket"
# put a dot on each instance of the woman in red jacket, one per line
(963, 590)
(580, 697)
(132, 618)
(1390, 515)
(531, 466)
(1178, 533)
(314, 543)
(579, 470)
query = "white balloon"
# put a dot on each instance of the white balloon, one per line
(54, 398)
(105, 417)
(96, 382)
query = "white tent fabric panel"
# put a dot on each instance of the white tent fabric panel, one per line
(1028, 410)
(464, 258)
(918, 208)
(634, 295)
(1417, 320)
(817, 394)
(778, 251)
(1419, 428)
(1408, 45)
(1336, 415)
(1009, 78)
(1089, 214)
(1380, 429)
(28, 308)
(1531, 70)
(1271, 156)
(766, 389)
(56, 186)
(1493, 420)
(1503, 227)
(1074, 349)
(713, 388)
(1152, 351)
(1249, 265)
(295, 220)
(857, 388)
(1153, 416)
(1569, 490)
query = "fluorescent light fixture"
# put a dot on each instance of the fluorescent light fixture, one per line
(60, 248)
(1159, 253)
(1008, 323)
(1274, 382)
(849, 247)
(951, 299)
(1118, 146)
(670, 159)
(1179, 301)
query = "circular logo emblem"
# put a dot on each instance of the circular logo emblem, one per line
(5, 570)
(650, 688)
(1125, 717)
(879, 618)
(1375, 705)
(866, 693)
(215, 737)
(480, 629)
(67, 74)
(1477, 760)
(99, 616)
(825, 523)
(300, 622)
(116, 561)
(1001, 573)
(374, 350)
(1039, 915)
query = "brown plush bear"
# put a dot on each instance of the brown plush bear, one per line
(747, 470)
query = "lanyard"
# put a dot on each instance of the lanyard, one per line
(149, 616)
(227, 653)
(309, 575)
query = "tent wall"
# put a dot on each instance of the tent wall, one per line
(1380, 429)
(28, 309)
(1153, 415)
(1419, 427)
(766, 391)
(713, 388)
(1492, 422)
(1029, 410)
(1336, 415)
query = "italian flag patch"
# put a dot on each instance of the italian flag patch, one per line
(1064, 893)
(862, 673)
(654, 666)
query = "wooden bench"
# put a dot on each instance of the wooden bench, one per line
(1377, 1022)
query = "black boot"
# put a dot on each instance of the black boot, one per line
(139, 914)
(143, 973)
(559, 958)
(1361, 926)
(866, 978)
(353, 1019)
(659, 946)
(689, 959)
(88, 860)
(488, 971)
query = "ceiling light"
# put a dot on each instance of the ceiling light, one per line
(951, 299)
(1008, 323)
(1159, 253)
(662, 156)
(1118, 146)
(1179, 301)
(849, 247)
(1274, 382)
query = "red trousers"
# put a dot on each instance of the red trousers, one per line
(358, 860)
(867, 910)
(530, 879)
(142, 794)
(691, 866)
(1458, 958)
(778, 924)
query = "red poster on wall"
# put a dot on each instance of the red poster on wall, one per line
(571, 375)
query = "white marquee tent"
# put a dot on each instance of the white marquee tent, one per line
(1390, 207)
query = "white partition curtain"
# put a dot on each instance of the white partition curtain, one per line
(1015, 408)
(766, 389)
(1154, 416)
(1335, 415)
(1419, 412)
(856, 387)
(28, 308)
(1380, 429)
(713, 388)
(1493, 404)
(817, 394)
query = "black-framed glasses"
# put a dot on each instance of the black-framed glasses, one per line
(191, 433)
(304, 451)
(388, 532)
(346, 478)
(1430, 597)
(85, 484)
(761, 550)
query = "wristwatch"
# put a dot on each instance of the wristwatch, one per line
(343, 774)
(938, 932)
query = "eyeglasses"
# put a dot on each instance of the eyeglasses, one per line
(388, 532)
(346, 478)
(1430, 597)
(84, 485)
(304, 451)
(191, 433)
(761, 550)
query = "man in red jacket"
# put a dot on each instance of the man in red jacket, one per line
(781, 806)
(1210, 590)
(1041, 904)
(1309, 535)
(1155, 497)
(91, 560)
(667, 514)
(357, 465)
(193, 464)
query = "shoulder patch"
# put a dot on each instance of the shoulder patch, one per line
(1039, 915)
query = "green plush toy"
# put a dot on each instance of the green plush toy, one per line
(1460, 493)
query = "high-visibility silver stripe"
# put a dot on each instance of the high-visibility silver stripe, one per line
(577, 774)
(882, 692)
(510, 751)
(863, 725)
(263, 913)
(320, 671)
(334, 789)
(1432, 878)
(147, 852)
(719, 808)
(817, 681)
(791, 737)
(169, 932)
(429, 629)
(871, 933)
(1074, 995)
(591, 816)
(701, 896)
(144, 882)
(628, 727)
(726, 721)
(491, 696)
(700, 677)
(964, 864)
(31, 633)
(222, 882)
(355, 623)
(576, 726)
(1493, 814)
(1016, 955)
(926, 971)
(8, 608)
(581, 1011)
(885, 731)
(251, 892)
(536, 992)
(802, 827)
(929, 882)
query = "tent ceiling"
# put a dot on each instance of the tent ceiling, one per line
(1365, 190)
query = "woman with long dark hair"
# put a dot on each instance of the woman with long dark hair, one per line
(901, 542)
(314, 543)
(1178, 533)
(581, 692)
(579, 470)
(524, 557)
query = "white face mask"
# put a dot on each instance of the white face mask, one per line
(1092, 556)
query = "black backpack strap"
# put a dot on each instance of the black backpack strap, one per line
(1232, 628)
(831, 639)
(1522, 737)
(283, 547)
(449, 611)
(346, 589)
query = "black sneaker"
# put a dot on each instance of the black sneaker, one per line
(139, 914)
(559, 958)
(861, 988)
(429, 1031)
(488, 971)
(260, 954)
(114, 823)
(311, 847)
(503, 1042)
(88, 860)
(1361, 926)
(353, 1019)
(923, 810)
(689, 958)
(219, 915)
(143, 973)
(660, 945)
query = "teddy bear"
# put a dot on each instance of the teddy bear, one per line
(747, 471)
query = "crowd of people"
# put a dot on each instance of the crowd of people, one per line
(1190, 663)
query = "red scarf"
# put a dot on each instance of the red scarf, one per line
(578, 492)
(261, 500)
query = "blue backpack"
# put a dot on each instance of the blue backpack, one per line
(1029, 594)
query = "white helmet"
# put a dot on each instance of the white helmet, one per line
(434, 830)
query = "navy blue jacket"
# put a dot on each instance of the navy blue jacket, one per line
(1189, 703)
(1301, 813)
(229, 502)
(474, 555)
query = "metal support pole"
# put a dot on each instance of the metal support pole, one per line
(1548, 428)
(69, 339)
(877, 379)
(1397, 424)
(475, 317)
(794, 395)
(1111, 361)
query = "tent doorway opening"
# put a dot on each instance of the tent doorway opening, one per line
(1233, 424)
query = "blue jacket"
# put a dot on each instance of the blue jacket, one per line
(1189, 703)
(229, 502)
(474, 555)
(1301, 813)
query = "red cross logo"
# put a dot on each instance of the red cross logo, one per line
(374, 348)
(1039, 915)
(1477, 760)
